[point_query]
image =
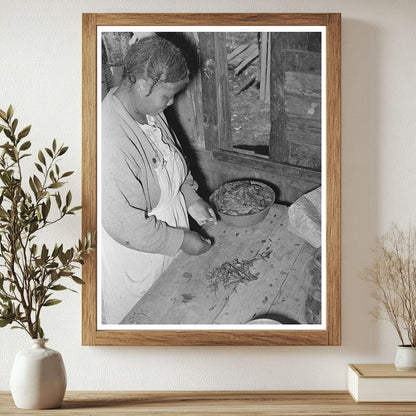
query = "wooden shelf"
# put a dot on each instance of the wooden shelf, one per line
(221, 403)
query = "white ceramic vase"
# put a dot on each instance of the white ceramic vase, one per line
(38, 377)
(405, 358)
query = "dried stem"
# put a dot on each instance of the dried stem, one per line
(393, 276)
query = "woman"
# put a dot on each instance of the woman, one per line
(147, 190)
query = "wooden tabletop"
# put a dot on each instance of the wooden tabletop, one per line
(270, 403)
(273, 286)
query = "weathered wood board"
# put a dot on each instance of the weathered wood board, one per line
(303, 112)
(185, 294)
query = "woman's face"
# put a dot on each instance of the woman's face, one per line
(161, 97)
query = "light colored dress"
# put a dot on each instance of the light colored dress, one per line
(127, 273)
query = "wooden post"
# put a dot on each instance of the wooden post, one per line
(215, 91)
(279, 147)
(223, 94)
(209, 97)
(265, 67)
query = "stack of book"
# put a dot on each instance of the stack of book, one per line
(381, 383)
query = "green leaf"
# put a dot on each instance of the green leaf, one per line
(37, 182)
(68, 199)
(56, 185)
(14, 125)
(3, 115)
(72, 210)
(54, 145)
(34, 249)
(39, 167)
(58, 199)
(34, 226)
(8, 133)
(62, 257)
(45, 210)
(49, 152)
(41, 157)
(5, 321)
(76, 279)
(33, 187)
(66, 273)
(67, 174)
(51, 302)
(28, 197)
(52, 176)
(4, 298)
(57, 250)
(63, 150)
(24, 132)
(25, 145)
(44, 253)
(40, 331)
(54, 276)
(59, 287)
(10, 112)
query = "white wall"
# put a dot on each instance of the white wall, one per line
(40, 74)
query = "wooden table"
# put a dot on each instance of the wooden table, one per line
(249, 403)
(186, 294)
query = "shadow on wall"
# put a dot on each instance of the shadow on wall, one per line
(360, 184)
(188, 45)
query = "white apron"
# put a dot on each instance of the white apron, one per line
(128, 274)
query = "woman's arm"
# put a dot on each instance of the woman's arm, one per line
(125, 218)
(125, 198)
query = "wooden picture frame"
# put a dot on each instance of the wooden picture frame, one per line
(327, 334)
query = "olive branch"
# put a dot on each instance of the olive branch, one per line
(31, 273)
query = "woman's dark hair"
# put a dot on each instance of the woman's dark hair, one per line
(156, 59)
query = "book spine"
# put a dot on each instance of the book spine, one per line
(353, 381)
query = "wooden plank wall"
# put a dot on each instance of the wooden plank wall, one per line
(302, 148)
(295, 101)
(186, 115)
(210, 172)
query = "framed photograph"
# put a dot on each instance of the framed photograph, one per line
(211, 172)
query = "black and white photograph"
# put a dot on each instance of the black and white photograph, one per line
(211, 189)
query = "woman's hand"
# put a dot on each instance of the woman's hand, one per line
(194, 244)
(202, 212)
